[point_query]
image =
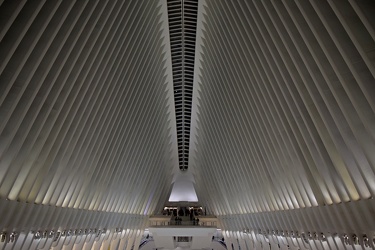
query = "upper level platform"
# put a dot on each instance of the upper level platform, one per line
(172, 231)
(183, 221)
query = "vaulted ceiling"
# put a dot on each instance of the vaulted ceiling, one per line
(279, 134)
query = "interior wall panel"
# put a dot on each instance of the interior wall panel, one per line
(282, 135)
(87, 132)
(282, 118)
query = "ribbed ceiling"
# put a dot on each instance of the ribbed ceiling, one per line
(87, 115)
(182, 30)
(283, 114)
(98, 113)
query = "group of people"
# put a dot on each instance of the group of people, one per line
(178, 220)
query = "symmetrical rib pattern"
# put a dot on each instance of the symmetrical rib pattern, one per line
(182, 25)
(87, 113)
(282, 130)
(285, 109)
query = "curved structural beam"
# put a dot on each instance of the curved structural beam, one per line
(283, 115)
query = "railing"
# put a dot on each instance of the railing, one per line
(211, 223)
(159, 223)
(144, 241)
(220, 241)
(193, 223)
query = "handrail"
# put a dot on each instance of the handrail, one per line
(184, 223)
(220, 241)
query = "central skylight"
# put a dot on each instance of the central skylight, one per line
(182, 15)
